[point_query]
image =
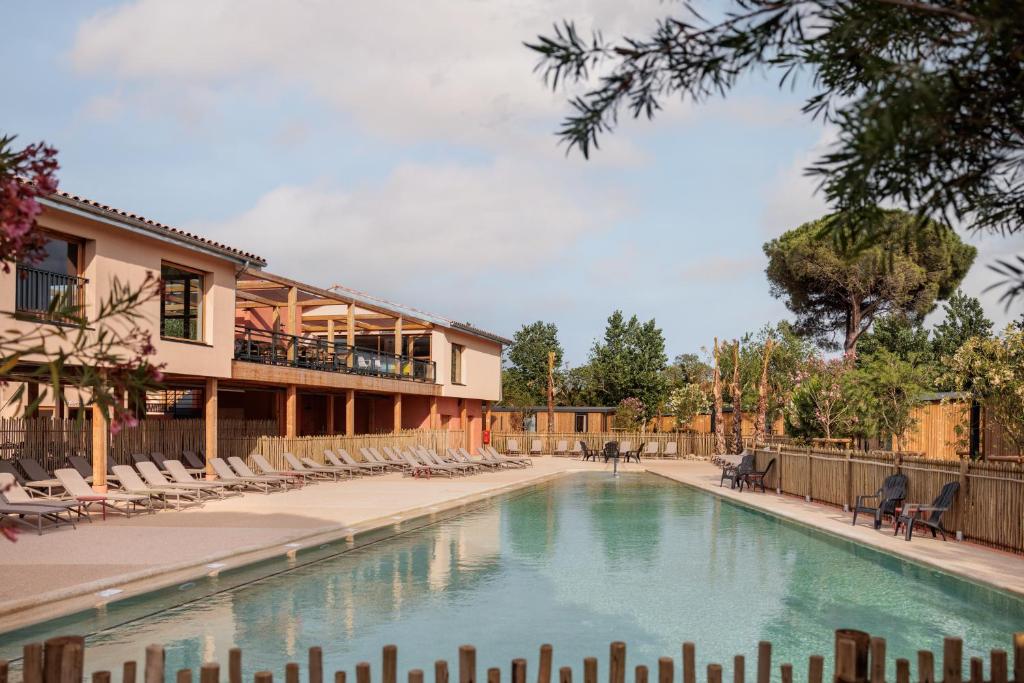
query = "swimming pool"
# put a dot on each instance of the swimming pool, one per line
(576, 562)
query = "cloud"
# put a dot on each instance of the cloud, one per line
(721, 268)
(423, 230)
(450, 69)
(791, 198)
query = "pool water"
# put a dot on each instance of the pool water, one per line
(577, 562)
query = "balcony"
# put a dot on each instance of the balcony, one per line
(254, 345)
(48, 295)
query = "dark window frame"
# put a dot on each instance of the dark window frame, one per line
(187, 318)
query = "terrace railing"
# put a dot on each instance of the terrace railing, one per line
(45, 294)
(276, 348)
(857, 658)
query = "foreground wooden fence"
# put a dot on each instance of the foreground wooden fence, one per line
(687, 444)
(857, 658)
(989, 507)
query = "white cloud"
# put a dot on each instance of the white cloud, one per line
(424, 231)
(450, 69)
(792, 198)
(721, 268)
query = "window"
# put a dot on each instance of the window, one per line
(181, 303)
(457, 350)
(581, 423)
(56, 276)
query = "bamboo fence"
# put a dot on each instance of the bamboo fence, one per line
(313, 446)
(856, 658)
(688, 444)
(988, 508)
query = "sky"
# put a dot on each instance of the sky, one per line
(407, 149)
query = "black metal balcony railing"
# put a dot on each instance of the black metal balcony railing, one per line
(276, 348)
(47, 294)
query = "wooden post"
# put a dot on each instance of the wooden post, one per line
(997, 666)
(210, 673)
(925, 667)
(433, 412)
(714, 673)
(487, 415)
(291, 411)
(902, 671)
(184, 676)
(518, 670)
(128, 672)
(1018, 657)
(440, 671)
(350, 412)
(292, 323)
(640, 674)
(235, 665)
(786, 671)
(810, 477)
(764, 662)
(350, 331)
(389, 664)
(64, 659)
(32, 663)
(963, 497)
(617, 662)
(467, 664)
(154, 664)
(666, 670)
(210, 420)
(316, 665)
(815, 669)
(363, 672)
(397, 398)
(739, 669)
(544, 664)
(565, 675)
(952, 660)
(263, 677)
(878, 660)
(590, 670)
(100, 436)
(100, 677)
(494, 675)
(847, 506)
(689, 663)
(416, 676)
(861, 648)
(398, 344)
(464, 421)
(977, 670)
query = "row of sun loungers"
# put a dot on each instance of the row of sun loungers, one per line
(66, 496)
(651, 449)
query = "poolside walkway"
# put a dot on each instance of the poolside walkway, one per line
(65, 570)
(995, 568)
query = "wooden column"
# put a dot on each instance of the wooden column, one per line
(350, 331)
(464, 420)
(291, 411)
(398, 412)
(210, 418)
(350, 412)
(433, 412)
(100, 436)
(31, 396)
(330, 414)
(330, 334)
(398, 343)
(282, 426)
(487, 415)
(291, 322)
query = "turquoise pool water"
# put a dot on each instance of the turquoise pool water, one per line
(577, 562)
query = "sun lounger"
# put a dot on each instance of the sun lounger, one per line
(512, 446)
(419, 468)
(495, 455)
(19, 512)
(7, 467)
(371, 458)
(430, 455)
(625, 446)
(577, 449)
(192, 460)
(227, 476)
(454, 459)
(536, 447)
(78, 488)
(132, 483)
(243, 470)
(156, 479)
(265, 467)
(650, 450)
(335, 461)
(33, 470)
(377, 457)
(928, 515)
(394, 459)
(15, 494)
(462, 455)
(561, 447)
(179, 475)
(81, 464)
(884, 501)
(364, 466)
(314, 469)
(158, 459)
(671, 450)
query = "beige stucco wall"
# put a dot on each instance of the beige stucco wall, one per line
(115, 252)
(481, 365)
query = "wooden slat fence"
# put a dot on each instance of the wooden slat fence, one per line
(988, 509)
(856, 658)
(313, 446)
(47, 440)
(687, 444)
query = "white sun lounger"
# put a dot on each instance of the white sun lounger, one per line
(561, 447)
(243, 470)
(299, 466)
(79, 489)
(364, 466)
(267, 468)
(156, 479)
(536, 447)
(15, 494)
(132, 483)
(651, 449)
(418, 468)
(512, 445)
(179, 475)
(227, 476)
(671, 450)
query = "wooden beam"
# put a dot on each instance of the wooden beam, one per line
(398, 341)
(350, 333)
(398, 412)
(350, 412)
(291, 410)
(464, 420)
(257, 299)
(100, 434)
(210, 419)
(330, 414)
(321, 301)
(330, 333)
(258, 284)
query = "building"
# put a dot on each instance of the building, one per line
(240, 342)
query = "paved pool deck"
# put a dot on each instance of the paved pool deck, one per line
(64, 570)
